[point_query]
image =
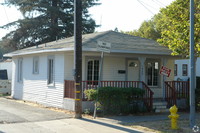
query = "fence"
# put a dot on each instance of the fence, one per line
(5, 86)
(147, 98)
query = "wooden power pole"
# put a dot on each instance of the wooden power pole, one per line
(192, 66)
(78, 57)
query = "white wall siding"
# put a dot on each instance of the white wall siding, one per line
(111, 66)
(34, 86)
(170, 64)
(69, 65)
(17, 88)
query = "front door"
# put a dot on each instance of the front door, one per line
(133, 70)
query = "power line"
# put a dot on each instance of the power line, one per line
(6, 14)
(159, 3)
(2, 4)
(145, 7)
(152, 7)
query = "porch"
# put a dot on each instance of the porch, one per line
(174, 90)
(147, 98)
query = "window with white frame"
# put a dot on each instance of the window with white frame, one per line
(50, 68)
(185, 70)
(20, 70)
(93, 70)
(152, 73)
(175, 70)
(35, 65)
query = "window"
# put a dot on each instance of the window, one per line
(36, 65)
(152, 73)
(93, 71)
(50, 73)
(184, 70)
(175, 70)
(20, 72)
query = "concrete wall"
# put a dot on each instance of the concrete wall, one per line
(34, 87)
(69, 104)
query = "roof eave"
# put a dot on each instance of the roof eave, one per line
(37, 52)
(90, 50)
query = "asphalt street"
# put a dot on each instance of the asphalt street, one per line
(18, 117)
(12, 111)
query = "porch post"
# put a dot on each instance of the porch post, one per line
(142, 68)
(163, 78)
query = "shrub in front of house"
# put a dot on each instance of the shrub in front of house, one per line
(114, 100)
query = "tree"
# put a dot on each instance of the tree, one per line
(173, 22)
(146, 30)
(45, 21)
(170, 27)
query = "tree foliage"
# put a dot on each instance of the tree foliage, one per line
(45, 21)
(174, 23)
(146, 30)
(170, 27)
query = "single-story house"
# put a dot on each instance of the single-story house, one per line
(40, 72)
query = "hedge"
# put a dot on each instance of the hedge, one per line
(114, 100)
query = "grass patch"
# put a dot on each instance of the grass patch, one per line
(163, 126)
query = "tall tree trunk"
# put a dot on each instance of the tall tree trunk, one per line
(54, 20)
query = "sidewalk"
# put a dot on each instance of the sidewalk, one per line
(85, 125)
(17, 117)
(66, 126)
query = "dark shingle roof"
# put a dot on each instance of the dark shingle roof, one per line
(119, 43)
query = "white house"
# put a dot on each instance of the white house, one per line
(5, 76)
(39, 72)
(7, 65)
(182, 69)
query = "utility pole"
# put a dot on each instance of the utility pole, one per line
(192, 67)
(78, 57)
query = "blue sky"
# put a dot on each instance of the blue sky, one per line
(126, 15)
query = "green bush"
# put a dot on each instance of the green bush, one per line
(116, 100)
(91, 94)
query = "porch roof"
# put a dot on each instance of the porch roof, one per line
(120, 43)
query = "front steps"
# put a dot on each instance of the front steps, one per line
(160, 106)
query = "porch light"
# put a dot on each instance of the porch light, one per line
(133, 64)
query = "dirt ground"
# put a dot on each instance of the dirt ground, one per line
(164, 126)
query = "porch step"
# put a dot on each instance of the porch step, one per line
(160, 106)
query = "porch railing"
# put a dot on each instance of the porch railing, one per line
(148, 96)
(176, 90)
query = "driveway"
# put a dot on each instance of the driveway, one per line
(12, 111)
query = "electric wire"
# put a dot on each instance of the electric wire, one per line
(159, 3)
(6, 14)
(145, 7)
(3, 4)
